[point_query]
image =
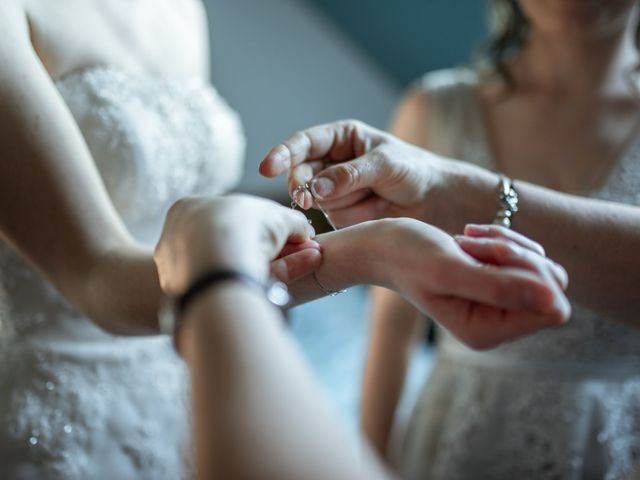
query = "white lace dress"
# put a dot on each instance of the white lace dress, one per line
(562, 404)
(75, 402)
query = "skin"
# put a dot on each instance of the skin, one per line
(61, 218)
(63, 221)
(253, 395)
(571, 90)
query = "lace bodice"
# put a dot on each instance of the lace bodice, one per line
(561, 404)
(76, 402)
(153, 141)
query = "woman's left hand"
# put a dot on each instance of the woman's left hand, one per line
(490, 286)
(239, 232)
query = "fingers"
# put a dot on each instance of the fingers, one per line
(297, 265)
(505, 253)
(347, 201)
(291, 248)
(371, 208)
(482, 327)
(339, 140)
(507, 288)
(303, 198)
(304, 173)
(496, 231)
(285, 226)
(343, 179)
(297, 226)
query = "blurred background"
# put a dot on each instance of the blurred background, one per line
(289, 64)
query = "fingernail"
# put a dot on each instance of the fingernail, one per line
(460, 238)
(322, 186)
(281, 159)
(308, 200)
(477, 228)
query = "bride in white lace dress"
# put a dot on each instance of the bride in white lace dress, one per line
(104, 122)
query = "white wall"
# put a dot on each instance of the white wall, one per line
(283, 66)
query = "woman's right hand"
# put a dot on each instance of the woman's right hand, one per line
(239, 232)
(487, 287)
(359, 173)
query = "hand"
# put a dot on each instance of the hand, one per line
(238, 232)
(487, 287)
(360, 173)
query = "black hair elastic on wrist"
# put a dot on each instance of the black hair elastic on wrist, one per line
(209, 280)
(170, 315)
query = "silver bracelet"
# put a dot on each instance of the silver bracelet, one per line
(326, 291)
(507, 202)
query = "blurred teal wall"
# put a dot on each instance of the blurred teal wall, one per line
(410, 37)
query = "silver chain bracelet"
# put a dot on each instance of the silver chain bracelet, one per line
(300, 189)
(507, 202)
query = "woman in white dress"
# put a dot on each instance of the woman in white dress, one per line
(563, 111)
(106, 118)
(104, 123)
(563, 403)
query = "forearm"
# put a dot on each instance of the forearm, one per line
(121, 292)
(345, 263)
(259, 413)
(56, 212)
(597, 242)
(393, 326)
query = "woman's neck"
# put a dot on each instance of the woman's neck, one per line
(557, 65)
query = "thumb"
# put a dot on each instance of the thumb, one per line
(348, 177)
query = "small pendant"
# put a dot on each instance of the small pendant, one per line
(299, 191)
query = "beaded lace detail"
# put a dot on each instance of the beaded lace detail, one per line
(78, 403)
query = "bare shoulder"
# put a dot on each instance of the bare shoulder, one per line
(434, 95)
(15, 43)
(409, 120)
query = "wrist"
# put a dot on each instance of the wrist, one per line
(174, 314)
(217, 309)
(241, 260)
(373, 256)
(352, 256)
(388, 252)
(467, 196)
